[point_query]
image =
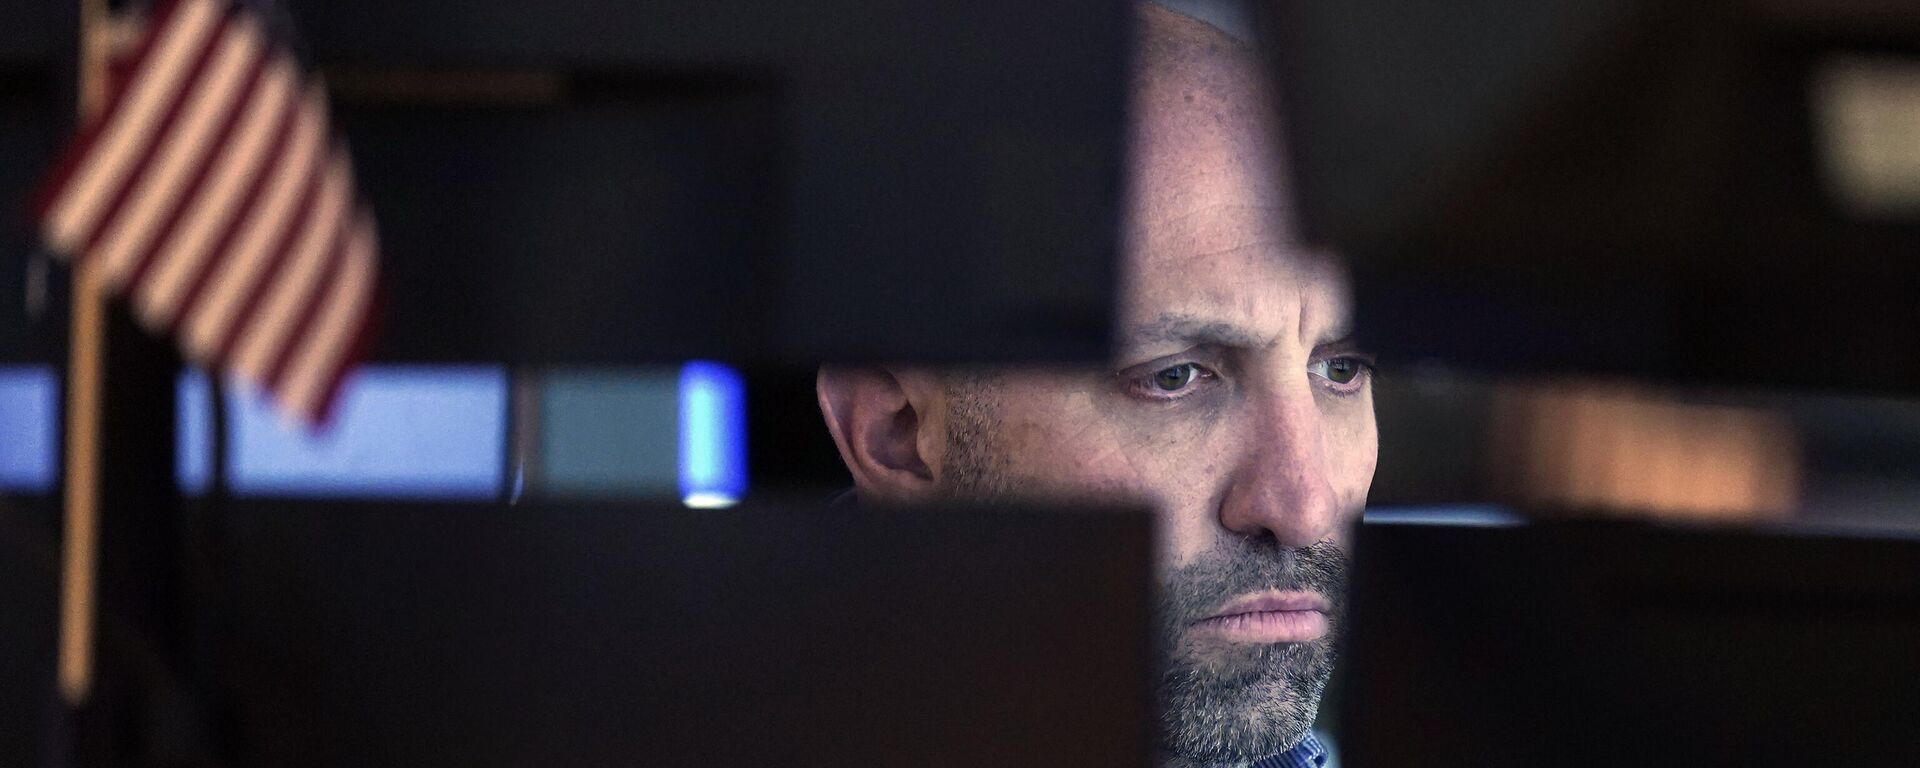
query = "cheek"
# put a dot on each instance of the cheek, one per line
(1352, 453)
(1083, 448)
(1187, 483)
(1178, 470)
(1071, 444)
(1352, 449)
(1086, 459)
(1058, 445)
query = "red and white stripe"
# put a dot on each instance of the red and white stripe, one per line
(211, 193)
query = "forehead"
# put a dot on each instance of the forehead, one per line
(1263, 288)
(1209, 216)
(1203, 131)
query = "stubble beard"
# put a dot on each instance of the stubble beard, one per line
(1231, 704)
(1219, 704)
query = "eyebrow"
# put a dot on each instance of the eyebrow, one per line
(1193, 331)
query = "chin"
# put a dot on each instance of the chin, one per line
(1230, 704)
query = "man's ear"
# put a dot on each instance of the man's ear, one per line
(879, 418)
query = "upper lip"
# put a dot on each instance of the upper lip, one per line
(1271, 601)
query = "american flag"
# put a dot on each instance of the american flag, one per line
(211, 193)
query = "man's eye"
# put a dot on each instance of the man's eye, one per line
(1339, 370)
(1176, 378)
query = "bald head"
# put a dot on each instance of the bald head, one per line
(1202, 123)
(1166, 38)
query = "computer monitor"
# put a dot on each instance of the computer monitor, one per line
(417, 634)
(1600, 644)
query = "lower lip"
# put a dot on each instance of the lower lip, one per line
(1267, 626)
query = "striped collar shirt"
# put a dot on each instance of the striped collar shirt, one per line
(1309, 753)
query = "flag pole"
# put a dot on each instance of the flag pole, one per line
(85, 361)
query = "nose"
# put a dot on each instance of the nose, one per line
(1282, 484)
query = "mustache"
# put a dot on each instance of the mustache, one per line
(1238, 566)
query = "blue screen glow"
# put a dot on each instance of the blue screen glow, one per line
(29, 428)
(713, 435)
(399, 431)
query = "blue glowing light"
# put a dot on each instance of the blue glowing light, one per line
(713, 435)
(400, 431)
(29, 428)
(1470, 515)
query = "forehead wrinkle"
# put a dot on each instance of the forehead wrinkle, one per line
(1196, 329)
(1311, 289)
(1216, 208)
(1253, 277)
(1336, 328)
(1238, 225)
(1184, 258)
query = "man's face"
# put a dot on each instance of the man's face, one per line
(1235, 406)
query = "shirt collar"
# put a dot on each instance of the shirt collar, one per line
(1309, 753)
